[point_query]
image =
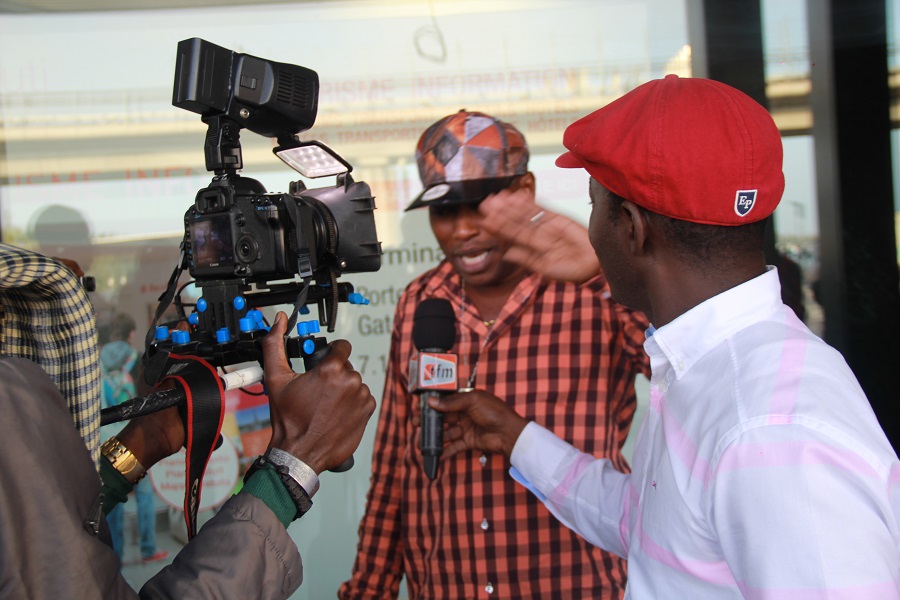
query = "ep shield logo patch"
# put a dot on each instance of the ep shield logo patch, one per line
(744, 200)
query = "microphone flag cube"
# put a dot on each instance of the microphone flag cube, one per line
(433, 371)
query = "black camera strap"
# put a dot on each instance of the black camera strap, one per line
(202, 413)
(299, 303)
(329, 256)
(299, 242)
(166, 298)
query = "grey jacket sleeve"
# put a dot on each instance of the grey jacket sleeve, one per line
(54, 541)
(242, 552)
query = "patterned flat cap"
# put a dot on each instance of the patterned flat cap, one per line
(466, 157)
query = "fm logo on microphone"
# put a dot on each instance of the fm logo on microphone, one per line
(437, 371)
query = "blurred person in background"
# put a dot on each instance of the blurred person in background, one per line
(119, 368)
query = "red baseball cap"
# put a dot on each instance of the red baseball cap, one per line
(687, 148)
(467, 156)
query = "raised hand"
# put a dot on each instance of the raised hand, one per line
(541, 240)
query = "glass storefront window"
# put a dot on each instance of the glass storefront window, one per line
(786, 53)
(96, 164)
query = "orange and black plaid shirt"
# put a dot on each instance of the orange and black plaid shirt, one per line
(561, 354)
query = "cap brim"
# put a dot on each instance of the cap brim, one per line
(453, 193)
(568, 161)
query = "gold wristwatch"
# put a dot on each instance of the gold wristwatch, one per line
(123, 460)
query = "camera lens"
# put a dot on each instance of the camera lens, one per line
(246, 249)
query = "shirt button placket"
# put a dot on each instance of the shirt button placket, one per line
(489, 588)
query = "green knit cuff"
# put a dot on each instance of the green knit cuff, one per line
(266, 485)
(115, 487)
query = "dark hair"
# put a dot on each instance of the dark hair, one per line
(700, 245)
(120, 327)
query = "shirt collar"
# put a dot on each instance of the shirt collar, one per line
(445, 282)
(689, 337)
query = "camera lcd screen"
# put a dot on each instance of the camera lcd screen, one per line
(211, 241)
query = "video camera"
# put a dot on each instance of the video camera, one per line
(245, 248)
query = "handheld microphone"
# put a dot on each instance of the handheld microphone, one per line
(433, 372)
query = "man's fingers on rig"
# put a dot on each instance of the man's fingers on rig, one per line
(274, 354)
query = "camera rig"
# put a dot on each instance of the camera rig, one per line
(246, 248)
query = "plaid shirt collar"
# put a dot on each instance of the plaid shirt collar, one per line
(445, 282)
(46, 317)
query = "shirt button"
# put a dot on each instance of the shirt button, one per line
(483, 460)
(484, 524)
(489, 588)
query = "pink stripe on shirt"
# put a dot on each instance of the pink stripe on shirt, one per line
(683, 446)
(716, 573)
(784, 392)
(791, 454)
(573, 474)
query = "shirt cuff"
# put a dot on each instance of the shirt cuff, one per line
(115, 487)
(536, 456)
(266, 485)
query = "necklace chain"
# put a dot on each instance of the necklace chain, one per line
(489, 324)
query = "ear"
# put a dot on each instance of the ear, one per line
(638, 227)
(527, 182)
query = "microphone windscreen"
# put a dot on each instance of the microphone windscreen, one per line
(434, 325)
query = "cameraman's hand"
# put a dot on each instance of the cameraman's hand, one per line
(478, 420)
(154, 437)
(319, 416)
(541, 240)
(157, 435)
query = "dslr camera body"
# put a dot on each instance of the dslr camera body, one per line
(247, 248)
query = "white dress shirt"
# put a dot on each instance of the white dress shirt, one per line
(760, 470)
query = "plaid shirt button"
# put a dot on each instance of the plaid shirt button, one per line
(484, 524)
(483, 460)
(489, 588)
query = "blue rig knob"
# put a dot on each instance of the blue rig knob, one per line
(258, 320)
(239, 302)
(201, 305)
(357, 298)
(307, 328)
(223, 335)
(162, 333)
(254, 321)
(180, 337)
(194, 319)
